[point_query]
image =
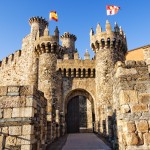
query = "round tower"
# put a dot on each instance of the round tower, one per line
(38, 24)
(46, 47)
(109, 47)
(68, 41)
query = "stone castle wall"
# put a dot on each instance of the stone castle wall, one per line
(132, 105)
(14, 69)
(20, 68)
(23, 123)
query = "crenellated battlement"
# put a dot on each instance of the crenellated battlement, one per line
(131, 64)
(68, 41)
(109, 38)
(10, 58)
(38, 24)
(132, 70)
(76, 68)
(68, 35)
(47, 43)
(39, 20)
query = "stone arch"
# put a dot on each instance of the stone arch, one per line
(85, 112)
(78, 92)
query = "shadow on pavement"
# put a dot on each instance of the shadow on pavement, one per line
(58, 144)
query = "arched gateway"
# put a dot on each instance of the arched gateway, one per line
(79, 111)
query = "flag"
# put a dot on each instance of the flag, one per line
(111, 9)
(53, 15)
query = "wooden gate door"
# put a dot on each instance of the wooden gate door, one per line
(73, 115)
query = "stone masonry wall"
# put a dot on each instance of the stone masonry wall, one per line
(20, 68)
(132, 105)
(23, 124)
(74, 80)
(14, 69)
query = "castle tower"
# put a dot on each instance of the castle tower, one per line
(38, 24)
(46, 47)
(109, 47)
(68, 41)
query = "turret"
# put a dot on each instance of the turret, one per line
(37, 24)
(68, 41)
(109, 39)
(108, 27)
(46, 32)
(91, 32)
(56, 32)
(98, 29)
(86, 55)
(109, 47)
(47, 50)
(116, 28)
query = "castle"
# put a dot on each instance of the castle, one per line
(46, 91)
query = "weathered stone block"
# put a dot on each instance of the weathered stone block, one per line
(131, 127)
(140, 63)
(15, 130)
(27, 139)
(132, 139)
(142, 126)
(27, 129)
(144, 98)
(130, 63)
(27, 90)
(23, 112)
(13, 90)
(26, 147)
(11, 140)
(128, 96)
(147, 138)
(12, 101)
(3, 90)
(18, 142)
(125, 72)
(125, 109)
(5, 130)
(29, 101)
(139, 108)
(7, 113)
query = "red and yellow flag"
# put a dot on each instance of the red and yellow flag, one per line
(53, 15)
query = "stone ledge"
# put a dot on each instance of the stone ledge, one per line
(16, 121)
(19, 91)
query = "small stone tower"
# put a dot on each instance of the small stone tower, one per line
(68, 41)
(38, 24)
(109, 47)
(46, 47)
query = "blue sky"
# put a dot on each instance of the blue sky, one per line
(76, 17)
